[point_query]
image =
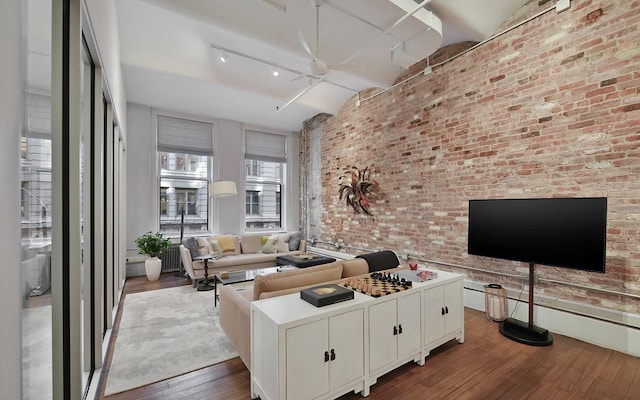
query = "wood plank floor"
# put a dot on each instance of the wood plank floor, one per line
(486, 366)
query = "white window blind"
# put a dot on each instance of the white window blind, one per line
(265, 146)
(183, 135)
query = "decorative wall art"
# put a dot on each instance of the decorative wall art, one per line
(356, 187)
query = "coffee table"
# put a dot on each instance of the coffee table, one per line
(238, 277)
(304, 260)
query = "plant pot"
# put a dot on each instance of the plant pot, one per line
(152, 267)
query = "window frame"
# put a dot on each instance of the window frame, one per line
(187, 176)
(261, 181)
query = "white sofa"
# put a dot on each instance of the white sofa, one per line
(246, 252)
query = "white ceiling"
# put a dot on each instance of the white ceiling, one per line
(168, 62)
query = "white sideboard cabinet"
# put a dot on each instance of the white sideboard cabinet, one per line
(443, 320)
(324, 355)
(394, 333)
(299, 351)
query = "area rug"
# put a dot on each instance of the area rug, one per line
(165, 333)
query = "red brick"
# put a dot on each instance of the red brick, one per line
(532, 127)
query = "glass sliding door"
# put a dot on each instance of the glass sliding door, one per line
(63, 191)
(36, 203)
(87, 157)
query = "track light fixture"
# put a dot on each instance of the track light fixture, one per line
(275, 68)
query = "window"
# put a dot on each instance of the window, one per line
(184, 158)
(23, 147)
(253, 167)
(253, 202)
(265, 161)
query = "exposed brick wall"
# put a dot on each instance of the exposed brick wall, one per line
(551, 108)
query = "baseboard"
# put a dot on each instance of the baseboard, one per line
(603, 327)
(135, 269)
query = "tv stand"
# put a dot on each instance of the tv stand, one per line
(521, 332)
(526, 333)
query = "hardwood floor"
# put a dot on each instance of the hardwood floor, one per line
(486, 366)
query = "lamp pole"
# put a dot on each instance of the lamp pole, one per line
(180, 272)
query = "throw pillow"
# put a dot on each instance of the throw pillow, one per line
(270, 246)
(226, 243)
(294, 241)
(215, 246)
(283, 243)
(264, 239)
(203, 246)
(251, 244)
(192, 244)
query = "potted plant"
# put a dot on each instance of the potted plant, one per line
(153, 244)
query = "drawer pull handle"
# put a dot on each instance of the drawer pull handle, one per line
(326, 356)
(395, 330)
(333, 355)
(400, 329)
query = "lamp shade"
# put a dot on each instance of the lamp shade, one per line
(222, 189)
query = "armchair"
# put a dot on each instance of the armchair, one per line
(195, 269)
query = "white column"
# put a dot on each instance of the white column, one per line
(11, 111)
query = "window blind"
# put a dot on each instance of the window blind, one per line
(178, 135)
(265, 146)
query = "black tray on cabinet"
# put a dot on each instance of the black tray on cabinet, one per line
(324, 295)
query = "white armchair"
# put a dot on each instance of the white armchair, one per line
(195, 269)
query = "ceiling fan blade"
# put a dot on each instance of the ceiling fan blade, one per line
(347, 68)
(302, 76)
(275, 4)
(305, 46)
(296, 97)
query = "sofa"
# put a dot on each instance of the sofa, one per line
(237, 252)
(235, 304)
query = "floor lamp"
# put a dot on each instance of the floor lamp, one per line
(181, 271)
(222, 189)
(216, 189)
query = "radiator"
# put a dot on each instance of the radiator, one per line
(171, 259)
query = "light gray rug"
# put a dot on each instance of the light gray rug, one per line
(166, 333)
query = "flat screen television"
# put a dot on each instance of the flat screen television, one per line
(562, 232)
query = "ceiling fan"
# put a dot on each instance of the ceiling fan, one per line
(317, 69)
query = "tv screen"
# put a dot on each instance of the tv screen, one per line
(562, 232)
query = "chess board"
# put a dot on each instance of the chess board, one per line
(374, 287)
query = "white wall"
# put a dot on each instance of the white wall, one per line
(605, 328)
(10, 129)
(103, 21)
(228, 212)
(140, 154)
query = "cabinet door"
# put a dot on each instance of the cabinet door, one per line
(454, 307)
(346, 338)
(433, 309)
(383, 344)
(409, 324)
(307, 371)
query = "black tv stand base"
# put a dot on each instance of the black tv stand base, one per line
(522, 333)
